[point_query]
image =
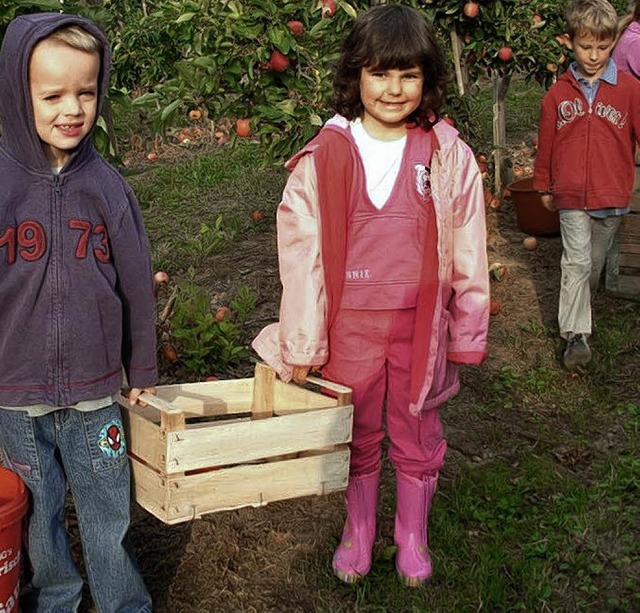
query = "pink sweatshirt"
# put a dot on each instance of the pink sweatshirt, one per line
(626, 55)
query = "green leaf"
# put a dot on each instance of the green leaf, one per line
(348, 9)
(185, 17)
(170, 109)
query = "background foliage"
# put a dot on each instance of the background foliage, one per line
(171, 56)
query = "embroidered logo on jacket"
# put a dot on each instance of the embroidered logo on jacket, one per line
(111, 439)
(611, 114)
(359, 274)
(568, 111)
(423, 180)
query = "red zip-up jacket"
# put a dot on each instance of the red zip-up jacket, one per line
(586, 154)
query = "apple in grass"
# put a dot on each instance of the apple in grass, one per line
(222, 313)
(160, 277)
(471, 10)
(243, 127)
(278, 62)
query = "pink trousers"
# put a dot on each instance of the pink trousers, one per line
(371, 353)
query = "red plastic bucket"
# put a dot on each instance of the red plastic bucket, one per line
(531, 216)
(14, 503)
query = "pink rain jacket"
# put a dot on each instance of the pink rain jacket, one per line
(312, 228)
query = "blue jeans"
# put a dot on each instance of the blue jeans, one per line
(87, 451)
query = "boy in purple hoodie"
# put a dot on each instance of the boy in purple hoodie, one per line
(76, 308)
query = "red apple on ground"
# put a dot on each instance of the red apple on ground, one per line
(170, 354)
(279, 62)
(257, 215)
(152, 157)
(471, 10)
(160, 277)
(505, 54)
(296, 28)
(223, 313)
(530, 243)
(243, 127)
(494, 307)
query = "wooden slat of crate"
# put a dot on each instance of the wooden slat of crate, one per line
(623, 265)
(185, 497)
(210, 398)
(219, 444)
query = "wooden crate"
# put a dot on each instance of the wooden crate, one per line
(204, 447)
(623, 264)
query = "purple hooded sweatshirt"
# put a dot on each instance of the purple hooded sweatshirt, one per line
(76, 288)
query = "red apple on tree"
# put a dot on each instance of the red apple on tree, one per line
(471, 10)
(505, 54)
(279, 62)
(296, 28)
(328, 7)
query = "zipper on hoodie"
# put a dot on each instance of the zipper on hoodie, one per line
(55, 293)
(590, 103)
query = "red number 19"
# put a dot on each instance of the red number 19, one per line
(28, 240)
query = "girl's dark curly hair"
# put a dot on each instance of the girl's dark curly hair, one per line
(391, 36)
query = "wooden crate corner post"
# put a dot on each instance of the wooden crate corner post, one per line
(262, 403)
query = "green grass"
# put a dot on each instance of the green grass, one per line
(201, 206)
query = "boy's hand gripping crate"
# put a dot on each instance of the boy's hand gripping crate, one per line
(197, 448)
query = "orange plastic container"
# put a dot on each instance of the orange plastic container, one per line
(531, 216)
(14, 503)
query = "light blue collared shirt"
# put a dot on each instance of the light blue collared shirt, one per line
(610, 75)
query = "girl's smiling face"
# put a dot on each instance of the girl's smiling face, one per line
(389, 96)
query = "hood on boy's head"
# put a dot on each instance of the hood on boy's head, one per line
(19, 136)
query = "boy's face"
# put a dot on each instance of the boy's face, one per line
(64, 92)
(592, 54)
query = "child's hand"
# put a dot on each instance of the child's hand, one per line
(300, 373)
(134, 394)
(547, 202)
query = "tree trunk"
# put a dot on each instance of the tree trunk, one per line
(500, 86)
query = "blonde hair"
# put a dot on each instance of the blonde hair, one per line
(596, 17)
(77, 38)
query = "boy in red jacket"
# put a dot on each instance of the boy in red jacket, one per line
(589, 124)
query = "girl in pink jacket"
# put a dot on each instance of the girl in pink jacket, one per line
(626, 54)
(381, 239)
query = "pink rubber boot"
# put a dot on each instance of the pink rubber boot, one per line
(352, 559)
(414, 497)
